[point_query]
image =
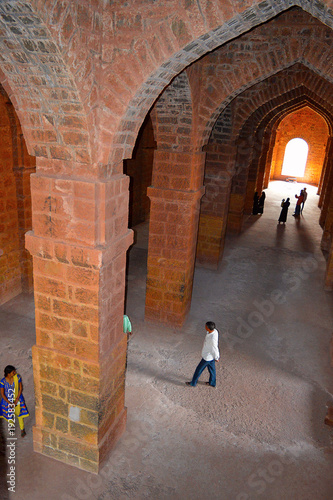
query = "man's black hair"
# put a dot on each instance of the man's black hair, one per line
(210, 325)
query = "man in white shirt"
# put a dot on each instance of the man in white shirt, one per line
(210, 353)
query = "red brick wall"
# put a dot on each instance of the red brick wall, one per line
(9, 240)
(15, 204)
(139, 169)
(309, 126)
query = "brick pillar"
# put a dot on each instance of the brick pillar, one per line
(325, 171)
(236, 211)
(243, 163)
(326, 214)
(327, 238)
(213, 221)
(250, 190)
(174, 214)
(262, 180)
(329, 415)
(327, 243)
(79, 243)
(326, 187)
(22, 174)
(329, 271)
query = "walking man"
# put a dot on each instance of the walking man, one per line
(210, 353)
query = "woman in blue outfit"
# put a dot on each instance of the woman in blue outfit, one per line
(12, 403)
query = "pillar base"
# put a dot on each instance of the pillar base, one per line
(89, 457)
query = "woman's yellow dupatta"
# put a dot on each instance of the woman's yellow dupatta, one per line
(16, 386)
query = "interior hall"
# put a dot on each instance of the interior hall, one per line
(136, 138)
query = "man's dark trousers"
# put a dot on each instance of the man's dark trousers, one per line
(200, 368)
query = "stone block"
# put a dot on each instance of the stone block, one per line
(79, 449)
(55, 405)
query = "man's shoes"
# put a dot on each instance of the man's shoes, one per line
(23, 433)
(207, 383)
(189, 383)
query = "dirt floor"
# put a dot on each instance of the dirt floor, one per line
(260, 433)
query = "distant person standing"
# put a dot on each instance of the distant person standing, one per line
(284, 212)
(298, 204)
(305, 195)
(255, 203)
(261, 203)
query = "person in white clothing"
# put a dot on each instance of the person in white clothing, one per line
(210, 353)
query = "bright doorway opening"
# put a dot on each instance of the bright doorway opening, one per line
(295, 156)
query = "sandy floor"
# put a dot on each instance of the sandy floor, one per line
(260, 433)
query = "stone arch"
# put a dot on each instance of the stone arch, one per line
(246, 73)
(173, 114)
(275, 109)
(41, 87)
(263, 130)
(222, 79)
(252, 112)
(221, 31)
(258, 103)
(323, 125)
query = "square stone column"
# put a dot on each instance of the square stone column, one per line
(171, 253)
(213, 220)
(79, 243)
(173, 229)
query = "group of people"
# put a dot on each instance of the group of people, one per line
(12, 401)
(285, 204)
(12, 404)
(301, 199)
(258, 203)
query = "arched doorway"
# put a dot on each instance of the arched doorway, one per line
(295, 157)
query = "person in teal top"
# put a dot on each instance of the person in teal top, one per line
(127, 325)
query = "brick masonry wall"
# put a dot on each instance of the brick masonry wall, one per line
(10, 276)
(255, 112)
(187, 42)
(139, 169)
(15, 204)
(79, 244)
(215, 202)
(309, 126)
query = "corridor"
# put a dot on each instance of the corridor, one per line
(260, 433)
